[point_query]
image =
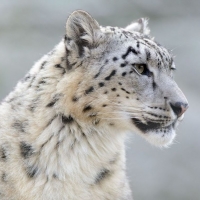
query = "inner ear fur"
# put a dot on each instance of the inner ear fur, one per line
(81, 31)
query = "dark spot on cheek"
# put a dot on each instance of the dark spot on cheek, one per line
(127, 92)
(111, 74)
(101, 84)
(100, 70)
(123, 65)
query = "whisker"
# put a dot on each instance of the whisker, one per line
(120, 112)
(119, 118)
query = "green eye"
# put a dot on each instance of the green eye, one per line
(142, 69)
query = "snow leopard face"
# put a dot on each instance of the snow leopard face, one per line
(127, 76)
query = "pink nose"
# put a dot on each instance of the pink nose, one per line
(179, 108)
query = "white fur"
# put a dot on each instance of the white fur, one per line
(62, 129)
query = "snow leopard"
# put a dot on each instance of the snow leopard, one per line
(63, 128)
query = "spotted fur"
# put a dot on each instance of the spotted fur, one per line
(62, 129)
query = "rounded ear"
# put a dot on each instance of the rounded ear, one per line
(141, 26)
(81, 31)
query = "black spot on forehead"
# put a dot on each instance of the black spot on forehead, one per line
(115, 58)
(130, 50)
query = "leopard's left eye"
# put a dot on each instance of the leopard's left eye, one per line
(142, 69)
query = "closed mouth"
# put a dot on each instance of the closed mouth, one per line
(151, 126)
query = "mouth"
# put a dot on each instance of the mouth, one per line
(152, 126)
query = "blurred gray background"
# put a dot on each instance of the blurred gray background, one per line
(29, 29)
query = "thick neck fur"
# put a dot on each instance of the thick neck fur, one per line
(59, 146)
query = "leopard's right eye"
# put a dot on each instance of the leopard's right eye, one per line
(141, 69)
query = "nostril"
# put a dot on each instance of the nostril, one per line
(179, 108)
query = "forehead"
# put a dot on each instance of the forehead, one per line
(148, 49)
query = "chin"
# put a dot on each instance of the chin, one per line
(156, 134)
(160, 139)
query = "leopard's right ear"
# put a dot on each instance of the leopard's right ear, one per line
(82, 32)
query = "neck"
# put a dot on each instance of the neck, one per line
(65, 150)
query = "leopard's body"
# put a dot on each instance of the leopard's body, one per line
(62, 129)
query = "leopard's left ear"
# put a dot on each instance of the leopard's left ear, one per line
(81, 31)
(141, 26)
